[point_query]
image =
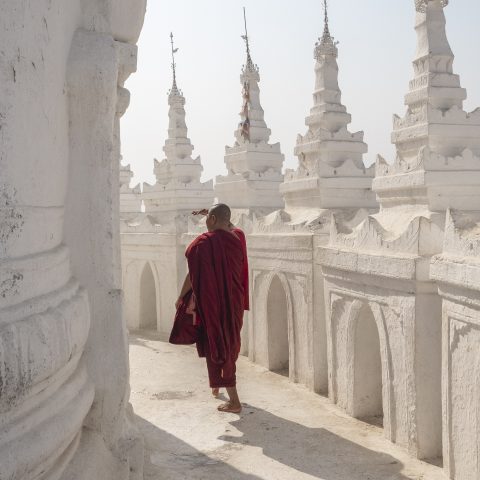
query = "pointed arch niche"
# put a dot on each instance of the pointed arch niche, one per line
(277, 325)
(367, 403)
(148, 299)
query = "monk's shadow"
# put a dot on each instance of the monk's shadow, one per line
(314, 451)
(170, 458)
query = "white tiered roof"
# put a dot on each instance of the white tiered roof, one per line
(254, 165)
(437, 165)
(178, 188)
(437, 142)
(130, 198)
(328, 151)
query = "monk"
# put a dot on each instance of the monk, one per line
(218, 277)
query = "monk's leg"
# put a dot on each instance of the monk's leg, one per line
(229, 378)
(214, 376)
(233, 396)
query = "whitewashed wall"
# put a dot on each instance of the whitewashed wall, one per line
(61, 95)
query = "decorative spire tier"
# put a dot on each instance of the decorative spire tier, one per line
(178, 188)
(328, 151)
(254, 165)
(437, 166)
(130, 198)
(437, 142)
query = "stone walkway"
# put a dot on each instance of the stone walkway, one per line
(284, 433)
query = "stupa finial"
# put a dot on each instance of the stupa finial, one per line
(421, 5)
(326, 30)
(326, 45)
(249, 66)
(174, 90)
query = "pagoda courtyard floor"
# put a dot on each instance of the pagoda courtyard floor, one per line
(285, 432)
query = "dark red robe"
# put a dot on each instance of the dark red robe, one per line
(239, 233)
(218, 269)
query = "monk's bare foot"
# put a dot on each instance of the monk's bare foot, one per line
(216, 392)
(230, 407)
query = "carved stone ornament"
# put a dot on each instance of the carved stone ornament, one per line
(421, 5)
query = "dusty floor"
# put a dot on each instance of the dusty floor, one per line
(284, 432)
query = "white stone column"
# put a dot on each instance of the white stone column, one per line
(56, 304)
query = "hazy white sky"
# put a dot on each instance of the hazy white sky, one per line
(377, 44)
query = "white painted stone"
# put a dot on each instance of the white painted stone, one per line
(438, 143)
(383, 264)
(153, 259)
(62, 71)
(457, 271)
(130, 198)
(149, 253)
(254, 165)
(178, 189)
(331, 172)
(330, 177)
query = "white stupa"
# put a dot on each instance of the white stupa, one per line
(437, 142)
(153, 263)
(437, 167)
(331, 172)
(178, 189)
(254, 165)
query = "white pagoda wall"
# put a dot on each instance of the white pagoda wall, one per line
(61, 96)
(461, 384)
(283, 272)
(457, 271)
(408, 328)
(160, 254)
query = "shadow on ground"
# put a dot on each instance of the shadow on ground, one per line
(169, 458)
(314, 451)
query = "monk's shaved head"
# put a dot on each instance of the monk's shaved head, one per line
(222, 212)
(218, 217)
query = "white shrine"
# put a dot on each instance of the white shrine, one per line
(331, 173)
(151, 241)
(288, 327)
(254, 165)
(178, 189)
(384, 311)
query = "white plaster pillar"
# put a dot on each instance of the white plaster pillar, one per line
(59, 273)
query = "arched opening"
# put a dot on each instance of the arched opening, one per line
(148, 299)
(277, 321)
(367, 383)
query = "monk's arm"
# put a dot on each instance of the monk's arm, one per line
(186, 287)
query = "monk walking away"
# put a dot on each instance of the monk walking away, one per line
(218, 277)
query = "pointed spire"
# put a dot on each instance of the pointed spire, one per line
(249, 65)
(435, 82)
(326, 44)
(421, 5)
(174, 90)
